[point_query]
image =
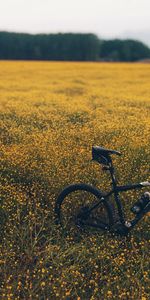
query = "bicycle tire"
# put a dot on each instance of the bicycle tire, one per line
(92, 191)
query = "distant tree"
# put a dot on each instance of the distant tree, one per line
(138, 50)
(123, 50)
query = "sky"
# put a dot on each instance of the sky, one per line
(106, 18)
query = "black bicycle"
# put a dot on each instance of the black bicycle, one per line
(80, 205)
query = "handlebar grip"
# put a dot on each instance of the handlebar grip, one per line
(145, 183)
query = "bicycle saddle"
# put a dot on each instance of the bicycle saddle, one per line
(96, 150)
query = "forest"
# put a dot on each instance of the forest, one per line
(69, 47)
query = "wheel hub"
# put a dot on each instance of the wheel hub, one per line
(82, 215)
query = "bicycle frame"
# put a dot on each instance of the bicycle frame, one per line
(126, 226)
(119, 226)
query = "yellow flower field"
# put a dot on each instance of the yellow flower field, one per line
(51, 115)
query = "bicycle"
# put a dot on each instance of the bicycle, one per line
(91, 206)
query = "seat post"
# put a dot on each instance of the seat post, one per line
(112, 173)
(118, 202)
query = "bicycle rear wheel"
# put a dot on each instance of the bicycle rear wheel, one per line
(73, 205)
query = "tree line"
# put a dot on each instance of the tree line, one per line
(69, 46)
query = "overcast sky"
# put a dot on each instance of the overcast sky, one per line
(107, 18)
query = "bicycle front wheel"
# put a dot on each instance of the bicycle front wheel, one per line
(73, 206)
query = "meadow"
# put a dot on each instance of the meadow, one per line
(51, 115)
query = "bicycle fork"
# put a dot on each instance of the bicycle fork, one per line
(124, 229)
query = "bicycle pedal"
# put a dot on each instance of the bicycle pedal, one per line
(120, 229)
